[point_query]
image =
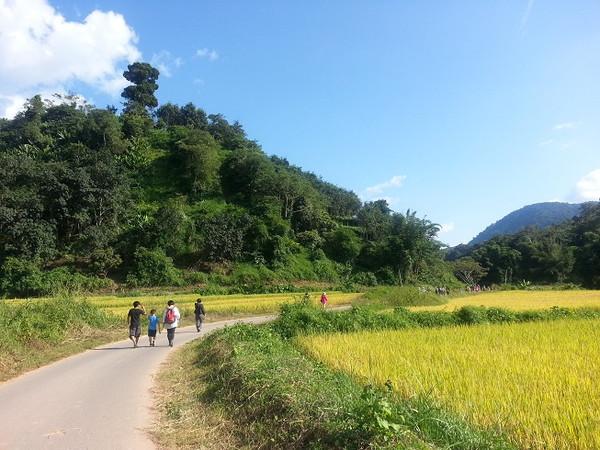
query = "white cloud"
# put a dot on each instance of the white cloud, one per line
(588, 187)
(164, 61)
(564, 126)
(546, 142)
(395, 182)
(446, 228)
(10, 105)
(40, 50)
(211, 55)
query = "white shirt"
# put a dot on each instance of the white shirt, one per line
(168, 326)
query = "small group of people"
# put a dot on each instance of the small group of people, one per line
(442, 290)
(170, 321)
(478, 288)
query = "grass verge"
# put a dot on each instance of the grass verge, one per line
(270, 394)
(300, 319)
(274, 396)
(183, 419)
(37, 333)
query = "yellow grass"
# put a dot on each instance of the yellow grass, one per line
(216, 305)
(536, 382)
(521, 300)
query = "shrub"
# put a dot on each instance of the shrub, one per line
(62, 280)
(386, 276)
(153, 268)
(20, 277)
(342, 245)
(364, 279)
(24, 278)
(403, 296)
(326, 270)
(102, 260)
(310, 239)
(471, 315)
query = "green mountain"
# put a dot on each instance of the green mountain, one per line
(540, 215)
(168, 195)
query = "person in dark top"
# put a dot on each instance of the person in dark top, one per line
(200, 313)
(134, 322)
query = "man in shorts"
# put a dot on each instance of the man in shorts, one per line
(134, 321)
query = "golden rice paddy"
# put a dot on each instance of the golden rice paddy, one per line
(536, 382)
(521, 300)
(217, 305)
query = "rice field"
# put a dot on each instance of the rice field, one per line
(521, 300)
(217, 306)
(536, 382)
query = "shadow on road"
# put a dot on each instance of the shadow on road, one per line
(113, 348)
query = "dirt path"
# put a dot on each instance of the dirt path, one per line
(99, 399)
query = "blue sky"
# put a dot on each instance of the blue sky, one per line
(462, 111)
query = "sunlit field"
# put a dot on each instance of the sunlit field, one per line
(521, 300)
(535, 382)
(216, 305)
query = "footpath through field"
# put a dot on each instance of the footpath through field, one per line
(99, 399)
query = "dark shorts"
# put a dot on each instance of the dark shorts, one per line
(152, 333)
(135, 331)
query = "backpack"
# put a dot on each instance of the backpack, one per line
(170, 316)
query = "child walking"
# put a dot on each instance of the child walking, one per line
(153, 327)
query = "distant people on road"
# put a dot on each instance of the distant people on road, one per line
(170, 320)
(324, 299)
(153, 327)
(199, 313)
(133, 320)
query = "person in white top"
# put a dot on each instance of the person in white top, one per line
(170, 320)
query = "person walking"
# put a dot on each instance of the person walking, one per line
(324, 299)
(153, 327)
(170, 321)
(133, 320)
(199, 313)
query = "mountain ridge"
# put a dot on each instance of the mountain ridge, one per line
(541, 215)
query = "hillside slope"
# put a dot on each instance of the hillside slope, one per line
(540, 215)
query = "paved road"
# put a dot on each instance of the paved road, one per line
(99, 399)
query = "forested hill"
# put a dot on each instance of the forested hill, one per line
(540, 215)
(164, 195)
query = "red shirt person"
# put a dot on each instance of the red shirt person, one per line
(324, 299)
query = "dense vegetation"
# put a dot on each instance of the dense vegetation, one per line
(163, 195)
(564, 253)
(540, 215)
(169, 195)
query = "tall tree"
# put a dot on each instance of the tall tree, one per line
(139, 96)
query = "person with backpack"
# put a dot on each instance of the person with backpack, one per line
(200, 314)
(133, 320)
(170, 320)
